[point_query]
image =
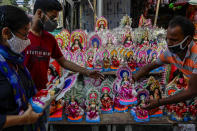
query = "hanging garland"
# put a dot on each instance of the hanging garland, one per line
(176, 5)
(172, 6)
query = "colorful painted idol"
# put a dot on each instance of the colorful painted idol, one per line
(115, 63)
(106, 60)
(95, 43)
(106, 98)
(98, 61)
(101, 24)
(127, 92)
(140, 114)
(89, 59)
(92, 103)
(74, 111)
(78, 41)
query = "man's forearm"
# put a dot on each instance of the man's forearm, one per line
(182, 96)
(186, 94)
(145, 70)
(13, 120)
(72, 66)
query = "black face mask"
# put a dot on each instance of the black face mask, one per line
(50, 25)
(179, 47)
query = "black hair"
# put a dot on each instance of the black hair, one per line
(100, 26)
(104, 95)
(79, 44)
(159, 92)
(126, 40)
(53, 71)
(186, 25)
(12, 17)
(142, 41)
(47, 5)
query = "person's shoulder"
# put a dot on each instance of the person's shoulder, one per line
(45, 33)
(194, 47)
(193, 50)
(49, 37)
(167, 53)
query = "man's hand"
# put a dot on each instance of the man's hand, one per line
(76, 68)
(151, 104)
(30, 117)
(95, 75)
(145, 70)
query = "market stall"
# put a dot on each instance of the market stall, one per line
(118, 53)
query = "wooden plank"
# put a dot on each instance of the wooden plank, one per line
(95, 128)
(109, 73)
(122, 119)
(114, 73)
(109, 127)
(113, 127)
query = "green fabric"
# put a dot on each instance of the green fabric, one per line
(171, 5)
(179, 7)
(55, 32)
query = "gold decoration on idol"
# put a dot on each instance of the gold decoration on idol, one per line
(145, 34)
(114, 52)
(126, 19)
(151, 80)
(129, 53)
(128, 34)
(155, 85)
(77, 37)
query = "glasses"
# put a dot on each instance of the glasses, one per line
(24, 35)
(51, 19)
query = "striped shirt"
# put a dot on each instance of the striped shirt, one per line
(188, 65)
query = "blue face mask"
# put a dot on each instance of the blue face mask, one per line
(178, 47)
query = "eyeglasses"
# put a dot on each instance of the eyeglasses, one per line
(51, 19)
(24, 35)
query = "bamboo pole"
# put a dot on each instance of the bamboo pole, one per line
(95, 16)
(81, 11)
(157, 12)
(93, 7)
(61, 16)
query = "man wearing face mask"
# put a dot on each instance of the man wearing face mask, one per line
(181, 52)
(44, 46)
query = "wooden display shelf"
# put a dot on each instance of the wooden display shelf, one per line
(114, 73)
(122, 119)
(109, 73)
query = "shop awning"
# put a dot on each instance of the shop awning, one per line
(193, 2)
(181, 2)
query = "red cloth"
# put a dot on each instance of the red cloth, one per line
(37, 56)
(115, 63)
(57, 67)
(173, 69)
